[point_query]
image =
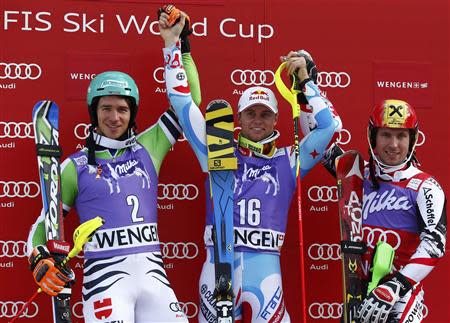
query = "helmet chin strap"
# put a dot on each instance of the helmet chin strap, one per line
(386, 169)
(115, 144)
(258, 147)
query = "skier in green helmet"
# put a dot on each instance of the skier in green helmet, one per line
(116, 177)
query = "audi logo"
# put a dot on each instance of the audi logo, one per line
(325, 310)
(252, 77)
(420, 139)
(333, 79)
(19, 189)
(179, 250)
(21, 71)
(81, 131)
(344, 137)
(77, 310)
(189, 309)
(177, 192)
(324, 251)
(373, 235)
(159, 75)
(9, 309)
(323, 193)
(11, 249)
(16, 130)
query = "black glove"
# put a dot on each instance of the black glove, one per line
(174, 18)
(311, 68)
(378, 304)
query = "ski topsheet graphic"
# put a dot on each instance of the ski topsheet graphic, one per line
(45, 122)
(349, 174)
(222, 163)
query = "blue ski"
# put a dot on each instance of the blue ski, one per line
(221, 164)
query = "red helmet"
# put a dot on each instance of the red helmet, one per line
(393, 114)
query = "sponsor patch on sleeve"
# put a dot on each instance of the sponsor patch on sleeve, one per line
(414, 184)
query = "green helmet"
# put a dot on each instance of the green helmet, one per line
(112, 83)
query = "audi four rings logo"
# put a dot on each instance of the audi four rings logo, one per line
(16, 130)
(323, 193)
(19, 189)
(324, 251)
(179, 250)
(9, 309)
(333, 79)
(177, 192)
(420, 139)
(325, 310)
(373, 235)
(19, 71)
(344, 137)
(158, 75)
(189, 309)
(77, 310)
(11, 249)
(81, 131)
(252, 77)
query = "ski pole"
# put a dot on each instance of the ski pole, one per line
(81, 235)
(290, 95)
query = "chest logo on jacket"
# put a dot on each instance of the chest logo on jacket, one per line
(112, 173)
(251, 175)
(387, 200)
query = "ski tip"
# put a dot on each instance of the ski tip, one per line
(217, 104)
(45, 104)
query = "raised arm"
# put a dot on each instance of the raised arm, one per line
(319, 111)
(178, 90)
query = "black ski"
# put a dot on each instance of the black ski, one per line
(45, 122)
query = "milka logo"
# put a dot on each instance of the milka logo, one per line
(252, 174)
(267, 174)
(375, 202)
(124, 168)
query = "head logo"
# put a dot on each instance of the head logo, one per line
(177, 192)
(252, 77)
(19, 130)
(179, 250)
(19, 189)
(323, 193)
(333, 79)
(21, 71)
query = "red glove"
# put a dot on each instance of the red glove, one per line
(50, 277)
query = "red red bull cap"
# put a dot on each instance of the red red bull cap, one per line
(258, 95)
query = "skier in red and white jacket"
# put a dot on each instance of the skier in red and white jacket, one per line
(403, 206)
